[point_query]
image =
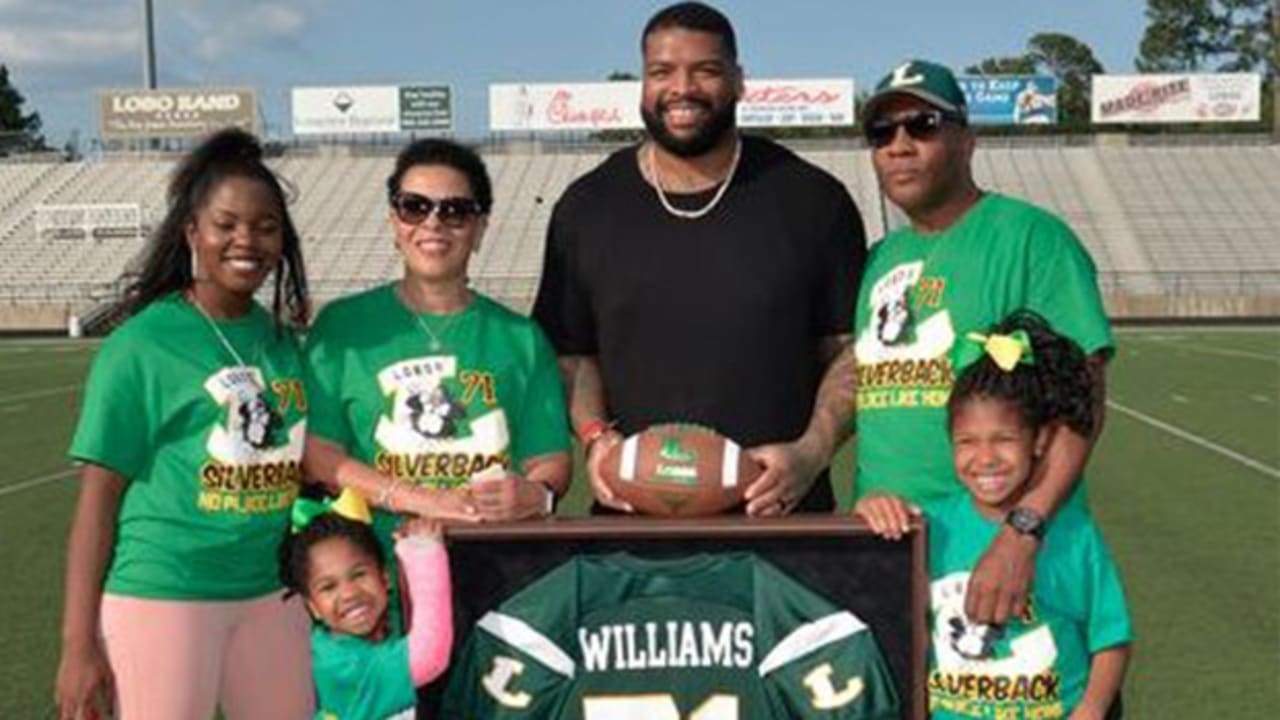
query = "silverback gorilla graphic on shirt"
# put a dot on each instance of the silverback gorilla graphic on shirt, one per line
(429, 435)
(255, 462)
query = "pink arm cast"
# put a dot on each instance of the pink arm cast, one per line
(426, 570)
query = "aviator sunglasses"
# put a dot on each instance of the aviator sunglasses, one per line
(921, 125)
(414, 209)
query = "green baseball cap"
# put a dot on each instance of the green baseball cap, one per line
(931, 82)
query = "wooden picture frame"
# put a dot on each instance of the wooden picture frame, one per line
(882, 582)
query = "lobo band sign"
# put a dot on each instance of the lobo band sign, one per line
(1175, 98)
(540, 107)
(179, 112)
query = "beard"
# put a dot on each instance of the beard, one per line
(704, 138)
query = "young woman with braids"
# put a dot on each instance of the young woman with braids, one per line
(190, 443)
(1066, 655)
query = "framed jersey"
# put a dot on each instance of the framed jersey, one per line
(622, 618)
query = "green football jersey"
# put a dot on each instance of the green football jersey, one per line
(723, 637)
(212, 451)
(920, 295)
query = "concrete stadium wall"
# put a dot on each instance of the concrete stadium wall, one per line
(52, 318)
(1191, 307)
(34, 318)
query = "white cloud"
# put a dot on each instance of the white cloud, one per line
(51, 46)
(278, 20)
(69, 33)
(232, 25)
(66, 33)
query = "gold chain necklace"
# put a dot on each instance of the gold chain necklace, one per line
(436, 341)
(715, 200)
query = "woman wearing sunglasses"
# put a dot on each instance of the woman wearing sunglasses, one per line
(428, 397)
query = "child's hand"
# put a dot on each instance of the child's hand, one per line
(888, 515)
(420, 528)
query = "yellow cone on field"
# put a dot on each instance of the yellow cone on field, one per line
(351, 505)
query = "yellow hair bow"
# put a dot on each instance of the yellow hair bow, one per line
(1006, 351)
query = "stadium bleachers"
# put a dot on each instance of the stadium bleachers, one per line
(1157, 219)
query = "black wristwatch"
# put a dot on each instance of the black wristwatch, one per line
(1026, 521)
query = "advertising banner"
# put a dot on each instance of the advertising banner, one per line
(174, 112)
(797, 103)
(1177, 98)
(541, 107)
(1011, 99)
(538, 107)
(362, 109)
(426, 107)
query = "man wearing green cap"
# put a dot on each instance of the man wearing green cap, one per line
(968, 259)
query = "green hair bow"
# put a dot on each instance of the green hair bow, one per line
(1006, 351)
(349, 505)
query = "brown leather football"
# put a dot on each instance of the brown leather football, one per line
(679, 469)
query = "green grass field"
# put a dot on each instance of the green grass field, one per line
(1186, 485)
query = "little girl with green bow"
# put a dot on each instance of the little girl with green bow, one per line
(362, 669)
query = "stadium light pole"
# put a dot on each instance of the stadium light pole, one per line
(148, 45)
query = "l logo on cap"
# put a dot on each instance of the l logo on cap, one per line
(900, 76)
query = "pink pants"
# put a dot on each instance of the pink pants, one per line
(178, 659)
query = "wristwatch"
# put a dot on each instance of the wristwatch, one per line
(1026, 521)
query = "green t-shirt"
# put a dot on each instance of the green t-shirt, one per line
(211, 451)
(708, 636)
(360, 680)
(920, 294)
(490, 396)
(1034, 667)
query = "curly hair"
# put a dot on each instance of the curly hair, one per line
(166, 267)
(1056, 387)
(436, 151)
(295, 551)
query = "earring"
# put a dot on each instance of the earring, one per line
(195, 268)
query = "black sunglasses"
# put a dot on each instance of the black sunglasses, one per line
(453, 212)
(920, 125)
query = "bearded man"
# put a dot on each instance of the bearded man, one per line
(705, 277)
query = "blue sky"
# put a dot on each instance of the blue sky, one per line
(59, 52)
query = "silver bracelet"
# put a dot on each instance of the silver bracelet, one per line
(386, 498)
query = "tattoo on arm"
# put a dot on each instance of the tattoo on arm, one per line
(584, 388)
(832, 417)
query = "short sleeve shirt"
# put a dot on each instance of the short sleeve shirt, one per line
(211, 450)
(923, 293)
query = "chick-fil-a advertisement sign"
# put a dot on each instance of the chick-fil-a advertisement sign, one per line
(543, 107)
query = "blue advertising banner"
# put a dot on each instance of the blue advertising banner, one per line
(1011, 99)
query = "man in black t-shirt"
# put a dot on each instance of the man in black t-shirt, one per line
(704, 277)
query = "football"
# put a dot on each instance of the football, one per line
(679, 470)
